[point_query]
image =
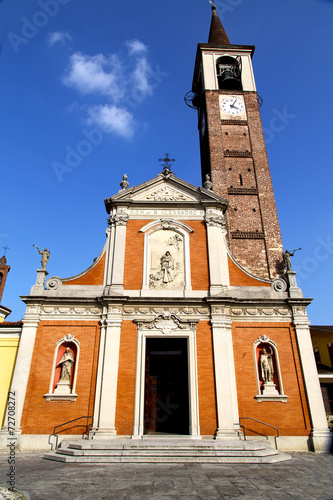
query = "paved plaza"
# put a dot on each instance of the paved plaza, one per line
(307, 476)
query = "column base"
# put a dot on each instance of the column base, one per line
(103, 432)
(227, 434)
(320, 440)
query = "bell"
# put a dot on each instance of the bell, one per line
(228, 80)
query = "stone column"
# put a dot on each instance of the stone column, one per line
(225, 379)
(109, 255)
(105, 406)
(320, 434)
(217, 254)
(22, 368)
(118, 261)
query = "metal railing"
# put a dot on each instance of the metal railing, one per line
(55, 435)
(260, 422)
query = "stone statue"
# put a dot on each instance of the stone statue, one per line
(66, 363)
(45, 255)
(286, 258)
(166, 266)
(266, 364)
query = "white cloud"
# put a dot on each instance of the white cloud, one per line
(58, 37)
(112, 119)
(140, 77)
(87, 74)
(136, 47)
(121, 81)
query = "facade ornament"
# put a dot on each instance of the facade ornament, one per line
(215, 221)
(208, 183)
(118, 220)
(45, 256)
(124, 183)
(166, 323)
(286, 258)
(279, 285)
(167, 194)
(53, 283)
(166, 165)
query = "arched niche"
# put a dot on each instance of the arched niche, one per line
(267, 369)
(64, 369)
(166, 256)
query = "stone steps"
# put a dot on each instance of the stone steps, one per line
(165, 451)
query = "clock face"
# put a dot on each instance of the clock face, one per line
(232, 106)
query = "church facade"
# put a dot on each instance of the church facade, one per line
(190, 321)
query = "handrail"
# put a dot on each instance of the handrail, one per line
(260, 422)
(89, 426)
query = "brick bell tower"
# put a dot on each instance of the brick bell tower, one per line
(233, 151)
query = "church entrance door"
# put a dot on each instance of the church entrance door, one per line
(166, 386)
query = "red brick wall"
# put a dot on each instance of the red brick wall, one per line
(126, 379)
(135, 250)
(249, 213)
(239, 278)
(133, 271)
(206, 380)
(292, 418)
(40, 416)
(94, 277)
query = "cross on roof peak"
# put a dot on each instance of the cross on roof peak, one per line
(167, 161)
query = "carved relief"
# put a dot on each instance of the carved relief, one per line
(70, 310)
(166, 263)
(259, 311)
(161, 310)
(215, 221)
(166, 193)
(166, 323)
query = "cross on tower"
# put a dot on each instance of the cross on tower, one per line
(5, 248)
(167, 160)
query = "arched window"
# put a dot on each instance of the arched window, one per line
(64, 369)
(268, 374)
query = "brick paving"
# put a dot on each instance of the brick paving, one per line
(307, 476)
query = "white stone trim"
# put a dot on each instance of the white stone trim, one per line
(142, 334)
(225, 379)
(263, 339)
(320, 435)
(51, 395)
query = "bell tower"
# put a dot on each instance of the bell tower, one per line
(233, 150)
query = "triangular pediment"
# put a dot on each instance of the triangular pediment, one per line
(164, 189)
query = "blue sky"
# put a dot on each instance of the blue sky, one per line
(92, 90)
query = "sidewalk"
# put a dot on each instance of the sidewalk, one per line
(307, 476)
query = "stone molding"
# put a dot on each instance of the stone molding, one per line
(259, 311)
(247, 235)
(177, 311)
(241, 190)
(70, 310)
(118, 220)
(212, 221)
(166, 323)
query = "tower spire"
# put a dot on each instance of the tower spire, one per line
(217, 34)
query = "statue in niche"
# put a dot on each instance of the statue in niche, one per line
(66, 364)
(266, 365)
(167, 265)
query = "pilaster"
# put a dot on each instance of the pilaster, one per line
(107, 375)
(217, 253)
(225, 380)
(116, 257)
(320, 434)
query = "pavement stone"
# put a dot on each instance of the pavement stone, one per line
(307, 476)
